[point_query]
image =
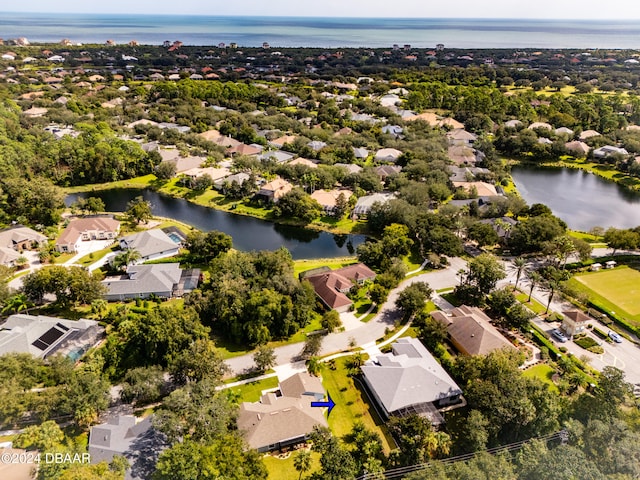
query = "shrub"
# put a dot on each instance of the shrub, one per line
(586, 343)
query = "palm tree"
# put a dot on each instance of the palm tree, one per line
(518, 266)
(534, 278)
(99, 307)
(313, 366)
(302, 462)
(125, 258)
(16, 303)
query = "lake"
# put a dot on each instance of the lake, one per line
(581, 199)
(248, 233)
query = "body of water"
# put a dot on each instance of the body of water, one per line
(248, 233)
(322, 32)
(579, 198)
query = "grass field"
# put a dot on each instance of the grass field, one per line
(352, 404)
(542, 372)
(616, 290)
(283, 469)
(251, 392)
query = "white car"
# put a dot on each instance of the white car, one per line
(559, 335)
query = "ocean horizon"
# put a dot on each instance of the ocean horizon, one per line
(327, 32)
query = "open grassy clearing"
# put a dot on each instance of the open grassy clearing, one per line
(300, 266)
(283, 468)
(542, 372)
(251, 392)
(616, 290)
(352, 404)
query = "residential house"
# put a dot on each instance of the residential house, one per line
(393, 130)
(43, 336)
(462, 155)
(543, 125)
(184, 164)
(328, 199)
(164, 280)
(21, 238)
(133, 438)
(513, 123)
(388, 155)
(8, 256)
(482, 189)
(577, 148)
(153, 244)
(584, 135)
(386, 171)
(222, 183)
(85, 229)
(564, 131)
(450, 123)
(316, 145)
(277, 156)
(502, 226)
(471, 331)
(303, 161)
(360, 153)
(349, 167)
(35, 112)
(574, 322)
(282, 141)
(608, 150)
(460, 137)
(409, 380)
(331, 286)
(273, 191)
(364, 204)
(284, 418)
(248, 150)
(193, 174)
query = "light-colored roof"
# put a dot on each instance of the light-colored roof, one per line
(577, 147)
(450, 122)
(461, 134)
(276, 188)
(214, 173)
(150, 242)
(210, 135)
(349, 167)
(483, 189)
(16, 235)
(328, 198)
(301, 384)
(277, 156)
(360, 152)
(540, 125)
(472, 330)
(408, 376)
(588, 134)
(364, 204)
(21, 331)
(303, 161)
(8, 256)
(187, 163)
(280, 141)
(391, 154)
(76, 227)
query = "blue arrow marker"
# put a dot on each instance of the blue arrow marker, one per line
(329, 403)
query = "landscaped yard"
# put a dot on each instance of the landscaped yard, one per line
(352, 404)
(251, 392)
(333, 263)
(283, 469)
(542, 372)
(535, 306)
(616, 290)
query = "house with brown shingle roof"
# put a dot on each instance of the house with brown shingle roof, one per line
(328, 198)
(471, 331)
(332, 285)
(274, 190)
(84, 229)
(280, 421)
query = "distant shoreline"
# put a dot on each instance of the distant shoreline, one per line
(321, 32)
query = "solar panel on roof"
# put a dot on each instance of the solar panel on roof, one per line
(48, 338)
(62, 327)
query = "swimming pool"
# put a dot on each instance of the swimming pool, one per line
(175, 237)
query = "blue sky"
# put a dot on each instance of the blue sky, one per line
(567, 9)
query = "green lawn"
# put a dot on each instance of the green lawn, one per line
(535, 306)
(616, 290)
(300, 266)
(251, 392)
(542, 372)
(138, 182)
(283, 469)
(352, 404)
(95, 256)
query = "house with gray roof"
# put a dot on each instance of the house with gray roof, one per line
(277, 156)
(152, 244)
(364, 204)
(283, 418)
(21, 238)
(133, 438)
(360, 153)
(42, 336)
(165, 280)
(409, 380)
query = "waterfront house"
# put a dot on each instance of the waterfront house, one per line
(164, 280)
(85, 229)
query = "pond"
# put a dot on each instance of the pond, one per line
(248, 233)
(581, 199)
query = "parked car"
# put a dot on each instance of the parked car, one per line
(615, 337)
(559, 335)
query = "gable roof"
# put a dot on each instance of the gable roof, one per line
(390, 154)
(290, 416)
(13, 236)
(76, 227)
(329, 285)
(149, 242)
(8, 255)
(144, 279)
(408, 376)
(471, 330)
